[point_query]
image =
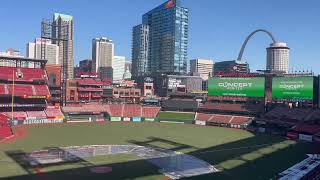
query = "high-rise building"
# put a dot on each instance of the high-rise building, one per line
(230, 67)
(51, 54)
(140, 48)
(202, 66)
(162, 39)
(85, 65)
(106, 73)
(118, 66)
(278, 57)
(102, 56)
(63, 29)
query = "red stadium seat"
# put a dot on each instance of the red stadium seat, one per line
(204, 117)
(85, 108)
(132, 110)
(3, 118)
(3, 89)
(20, 89)
(36, 114)
(27, 74)
(53, 112)
(94, 107)
(20, 115)
(239, 120)
(5, 132)
(115, 110)
(233, 107)
(30, 74)
(291, 115)
(41, 90)
(150, 112)
(224, 119)
(24, 77)
(24, 90)
(6, 73)
(306, 128)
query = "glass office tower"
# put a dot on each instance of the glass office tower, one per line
(167, 38)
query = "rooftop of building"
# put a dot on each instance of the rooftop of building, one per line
(102, 39)
(64, 17)
(232, 61)
(167, 5)
(206, 61)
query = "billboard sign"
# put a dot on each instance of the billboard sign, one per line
(236, 86)
(294, 88)
(88, 76)
(173, 83)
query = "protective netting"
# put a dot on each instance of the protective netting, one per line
(172, 164)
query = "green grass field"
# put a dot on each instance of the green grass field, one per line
(219, 146)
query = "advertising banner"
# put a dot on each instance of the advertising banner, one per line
(236, 86)
(296, 88)
(36, 121)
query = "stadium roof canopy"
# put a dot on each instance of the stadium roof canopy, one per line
(21, 59)
(18, 61)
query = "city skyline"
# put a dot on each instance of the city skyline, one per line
(219, 38)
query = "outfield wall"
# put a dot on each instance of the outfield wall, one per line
(176, 117)
(80, 117)
(36, 121)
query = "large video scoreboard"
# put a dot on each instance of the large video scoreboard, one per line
(292, 88)
(236, 86)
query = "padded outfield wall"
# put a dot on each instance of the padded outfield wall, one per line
(131, 119)
(176, 117)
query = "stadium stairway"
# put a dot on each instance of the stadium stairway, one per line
(6, 91)
(33, 90)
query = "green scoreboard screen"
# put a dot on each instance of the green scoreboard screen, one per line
(294, 88)
(236, 86)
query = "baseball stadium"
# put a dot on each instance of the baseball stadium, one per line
(247, 126)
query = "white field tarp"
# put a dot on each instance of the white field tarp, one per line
(172, 164)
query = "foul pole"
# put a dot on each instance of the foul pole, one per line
(12, 97)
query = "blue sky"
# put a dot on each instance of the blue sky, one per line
(217, 27)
